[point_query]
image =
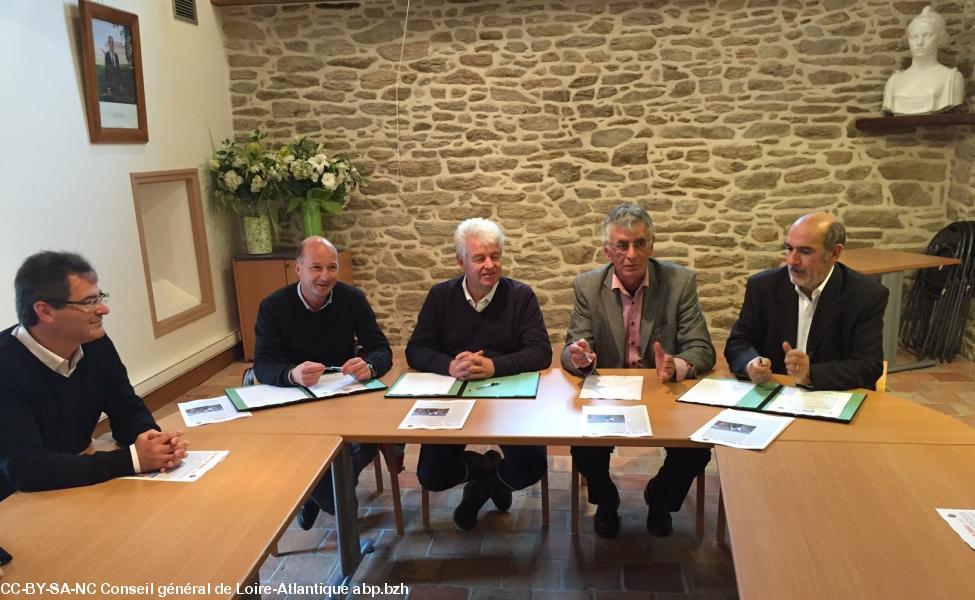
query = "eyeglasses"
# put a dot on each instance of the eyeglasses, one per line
(623, 247)
(86, 304)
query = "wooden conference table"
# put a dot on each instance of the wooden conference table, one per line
(554, 417)
(134, 533)
(891, 265)
(841, 520)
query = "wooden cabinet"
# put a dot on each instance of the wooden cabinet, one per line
(256, 276)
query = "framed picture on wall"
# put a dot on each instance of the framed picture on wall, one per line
(111, 67)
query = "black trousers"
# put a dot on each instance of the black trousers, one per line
(670, 485)
(441, 466)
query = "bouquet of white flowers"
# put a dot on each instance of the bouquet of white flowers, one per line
(315, 182)
(245, 178)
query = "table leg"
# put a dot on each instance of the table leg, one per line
(346, 518)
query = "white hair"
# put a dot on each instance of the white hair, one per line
(485, 230)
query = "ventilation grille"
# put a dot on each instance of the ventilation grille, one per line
(185, 10)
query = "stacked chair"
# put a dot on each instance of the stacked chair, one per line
(936, 310)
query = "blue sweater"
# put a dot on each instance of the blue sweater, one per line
(511, 330)
(46, 419)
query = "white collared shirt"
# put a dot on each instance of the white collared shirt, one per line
(62, 366)
(807, 309)
(481, 304)
(303, 301)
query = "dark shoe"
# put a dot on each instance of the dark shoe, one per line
(500, 493)
(501, 496)
(659, 523)
(307, 514)
(475, 495)
(606, 523)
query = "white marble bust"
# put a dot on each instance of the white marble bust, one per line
(926, 86)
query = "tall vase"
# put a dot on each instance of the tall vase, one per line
(311, 219)
(257, 234)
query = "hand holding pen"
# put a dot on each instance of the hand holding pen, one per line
(307, 373)
(759, 369)
(580, 354)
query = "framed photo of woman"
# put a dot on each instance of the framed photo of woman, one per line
(111, 67)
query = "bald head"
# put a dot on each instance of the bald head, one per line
(812, 246)
(317, 266)
(317, 242)
(826, 225)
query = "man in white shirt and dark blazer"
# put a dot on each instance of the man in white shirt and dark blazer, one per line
(814, 319)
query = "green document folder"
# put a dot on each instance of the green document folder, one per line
(292, 395)
(760, 397)
(846, 415)
(731, 393)
(397, 390)
(523, 385)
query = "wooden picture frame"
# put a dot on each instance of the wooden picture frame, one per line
(111, 68)
(173, 241)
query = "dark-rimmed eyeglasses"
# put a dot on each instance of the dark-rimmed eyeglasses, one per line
(623, 247)
(87, 303)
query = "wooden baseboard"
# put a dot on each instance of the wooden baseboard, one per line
(162, 396)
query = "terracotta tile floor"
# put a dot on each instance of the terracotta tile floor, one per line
(508, 557)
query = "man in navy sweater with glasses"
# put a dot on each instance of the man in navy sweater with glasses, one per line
(58, 373)
(475, 326)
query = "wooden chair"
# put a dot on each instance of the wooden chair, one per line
(395, 467)
(881, 385)
(386, 451)
(425, 504)
(575, 483)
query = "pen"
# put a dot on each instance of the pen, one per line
(333, 369)
(481, 387)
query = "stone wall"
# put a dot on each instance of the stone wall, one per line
(726, 119)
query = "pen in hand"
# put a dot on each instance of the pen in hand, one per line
(333, 369)
(486, 385)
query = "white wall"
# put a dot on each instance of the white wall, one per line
(59, 191)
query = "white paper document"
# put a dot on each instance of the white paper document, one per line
(962, 521)
(612, 387)
(196, 463)
(212, 410)
(625, 421)
(740, 429)
(718, 392)
(424, 384)
(256, 396)
(438, 414)
(814, 404)
(331, 384)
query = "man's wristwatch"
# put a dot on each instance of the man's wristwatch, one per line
(372, 371)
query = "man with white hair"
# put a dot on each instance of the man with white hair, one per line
(475, 326)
